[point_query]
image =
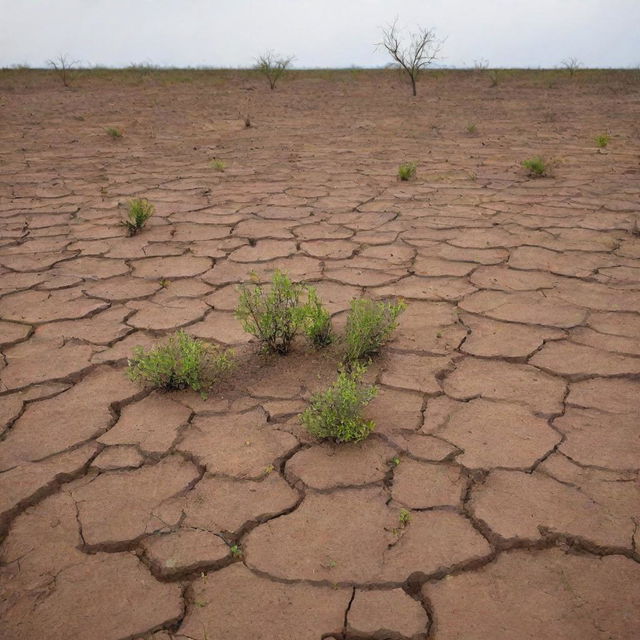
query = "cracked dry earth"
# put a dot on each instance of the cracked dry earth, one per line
(508, 413)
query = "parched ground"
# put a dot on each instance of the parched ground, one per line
(508, 419)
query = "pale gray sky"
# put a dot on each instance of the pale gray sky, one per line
(320, 33)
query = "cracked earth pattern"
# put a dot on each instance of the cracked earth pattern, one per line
(508, 413)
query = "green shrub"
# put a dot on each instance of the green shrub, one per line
(274, 316)
(407, 170)
(537, 167)
(114, 133)
(369, 326)
(140, 210)
(336, 412)
(218, 165)
(183, 362)
(317, 321)
(602, 141)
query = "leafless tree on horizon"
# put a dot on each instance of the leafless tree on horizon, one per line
(62, 65)
(273, 66)
(421, 49)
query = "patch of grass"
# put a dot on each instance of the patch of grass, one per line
(369, 326)
(336, 413)
(218, 165)
(407, 170)
(114, 133)
(182, 362)
(139, 211)
(602, 141)
(536, 166)
(404, 518)
(472, 128)
(274, 316)
(494, 76)
(317, 321)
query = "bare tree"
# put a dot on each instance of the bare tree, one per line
(413, 55)
(63, 66)
(571, 65)
(273, 66)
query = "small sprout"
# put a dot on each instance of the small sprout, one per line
(439, 334)
(218, 165)
(164, 283)
(236, 551)
(404, 518)
(114, 133)
(139, 211)
(537, 167)
(336, 413)
(407, 170)
(602, 141)
(269, 469)
(199, 603)
(395, 461)
(472, 128)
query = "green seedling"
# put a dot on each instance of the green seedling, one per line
(139, 211)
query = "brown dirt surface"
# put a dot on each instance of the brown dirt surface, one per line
(499, 496)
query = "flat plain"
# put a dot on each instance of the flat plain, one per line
(508, 413)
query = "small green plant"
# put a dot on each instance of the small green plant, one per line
(395, 461)
(472, 128)
(274, 316)
(183, 362)
(164, 283)
(369, 326)
(336, 413)
(317, 321)
(602, 141)
(218, 165)
(407, 170)
(114, 133)
(236, 551)
(404, 518)
(537, 167)
(139, 211)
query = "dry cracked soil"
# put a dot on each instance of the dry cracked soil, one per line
(508, 413)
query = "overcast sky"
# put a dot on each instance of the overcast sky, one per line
(320, 33)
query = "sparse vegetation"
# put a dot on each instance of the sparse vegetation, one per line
(317, 321)
(236, 551)
(218, 165)
(114, 133)
(404, 518)
(602, 141)
(536, 166)
(273, 67)
(336, 413)
(272, 315)
(182, 362)
(139, 211)
(472, 128)
(418, 52)
(407, 170)
(369, 326)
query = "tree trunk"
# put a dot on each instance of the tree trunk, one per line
(413, 85)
